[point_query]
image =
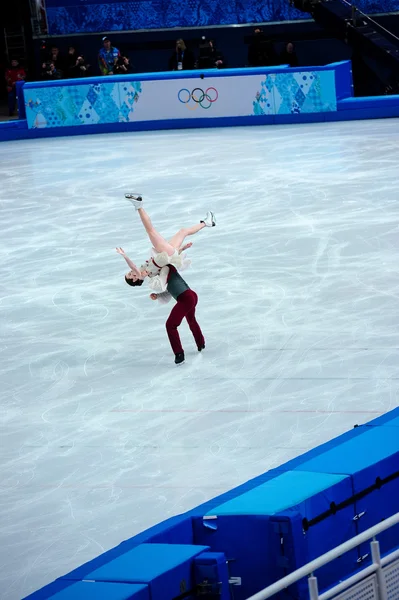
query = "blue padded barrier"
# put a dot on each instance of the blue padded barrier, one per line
(166, 568)
(372, 461)
(368, 102)
(23, 133)
(390, 419)
(180, 533)
(261, 530)
(373, 107)
(14, 124)
(88, 590)
(343, 80)
(21, 99)
(390, 423)
(176, 528)
(142, 99)
(209, 505)
(43, 113)
(302, 118)
(363, 114)
(211, 575)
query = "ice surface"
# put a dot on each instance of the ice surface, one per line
(101, 435)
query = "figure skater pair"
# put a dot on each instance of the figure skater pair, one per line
(164, 280)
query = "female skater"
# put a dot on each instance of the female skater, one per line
(163, 252)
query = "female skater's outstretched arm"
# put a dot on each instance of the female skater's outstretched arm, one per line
(134, 271)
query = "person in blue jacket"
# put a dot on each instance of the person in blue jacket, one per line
(108, 57)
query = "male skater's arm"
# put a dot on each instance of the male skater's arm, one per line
(163, 297)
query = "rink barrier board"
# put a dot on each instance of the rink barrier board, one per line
(118, 110)
(372, 462)
(167, 569)
(183, 95)
(347, 107)
(18, 130)
(179, 528)
(269, 519)
(184, 528)
(91, 590)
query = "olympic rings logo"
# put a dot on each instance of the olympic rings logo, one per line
(199, 97)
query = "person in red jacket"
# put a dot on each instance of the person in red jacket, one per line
(13, 74)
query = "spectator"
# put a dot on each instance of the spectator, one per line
(182, 59)
(13, 74)
(50, 72)
(56, 58)
(289, 56)
(209, 56)
(123, 65)
(261, 51)
(70, 61)
(80, 69)
(108, 57)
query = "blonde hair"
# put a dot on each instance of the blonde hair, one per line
(182, 44)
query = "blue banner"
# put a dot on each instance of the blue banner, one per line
(84, 16)
(79, 3)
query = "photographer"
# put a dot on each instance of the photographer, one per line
(50, 72)
(80, 68)
(123, 66)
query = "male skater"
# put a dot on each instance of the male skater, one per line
(169, 283)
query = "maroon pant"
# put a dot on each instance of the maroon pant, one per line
(184, 307)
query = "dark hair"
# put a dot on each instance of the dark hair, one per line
(133, 283)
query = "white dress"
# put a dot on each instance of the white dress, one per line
(160, 259)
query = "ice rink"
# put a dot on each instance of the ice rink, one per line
(101, 435)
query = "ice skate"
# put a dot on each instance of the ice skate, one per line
(135, 199)
(210, 219)
(179, 358)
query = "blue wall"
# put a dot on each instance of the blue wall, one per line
(71, 16)
(74, 16)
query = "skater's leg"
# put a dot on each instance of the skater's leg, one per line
(185, 304)
(159, 243)
(194, 326)
(181, 235)
(175, 318)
